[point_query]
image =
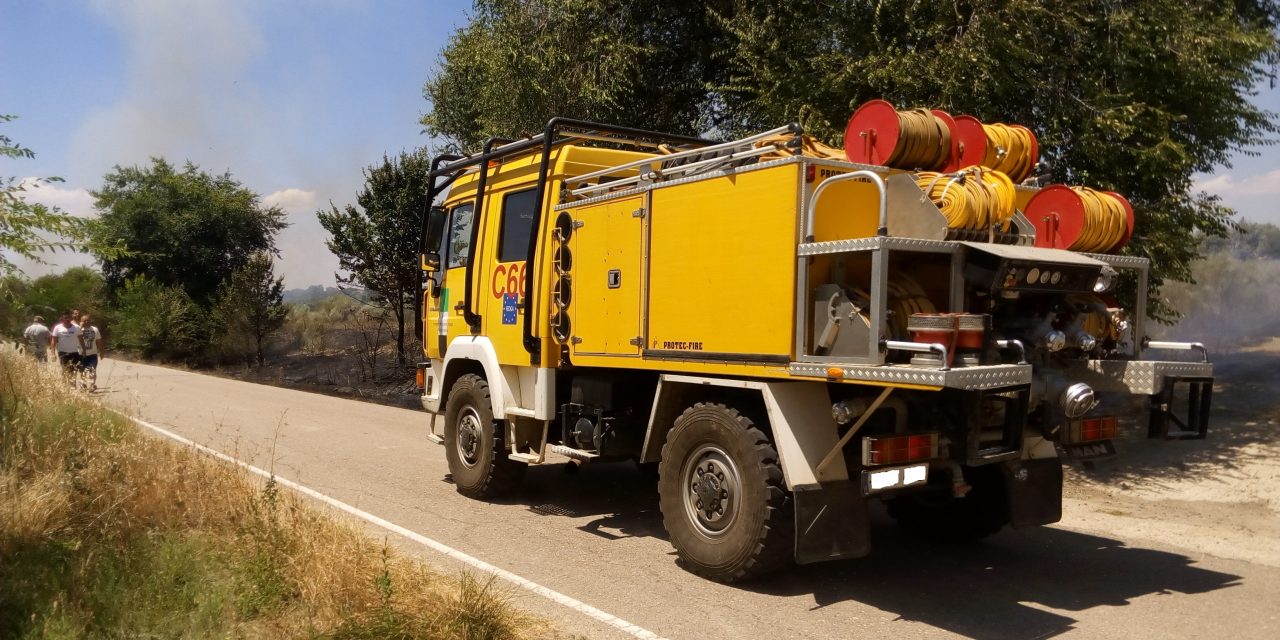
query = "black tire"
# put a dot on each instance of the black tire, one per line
(983, 512)
(722, 529)
(473, 443)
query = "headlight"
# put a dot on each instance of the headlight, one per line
(1105, 281)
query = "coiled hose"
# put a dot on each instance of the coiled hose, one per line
(973, 198)
(1104, 218)
(1009, 151)
(924, 141)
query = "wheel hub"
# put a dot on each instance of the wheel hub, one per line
(469, 435)
(712, 490)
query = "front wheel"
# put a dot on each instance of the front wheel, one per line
(473, 443)
(722, 496)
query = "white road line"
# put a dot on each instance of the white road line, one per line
(525, 583)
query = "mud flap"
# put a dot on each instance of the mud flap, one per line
(831, 522)
(1034, 490)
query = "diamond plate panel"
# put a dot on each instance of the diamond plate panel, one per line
(876, 242)
(1121, 262)
(972, 378)
(1144, 377)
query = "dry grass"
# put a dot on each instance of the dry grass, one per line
(107, 533)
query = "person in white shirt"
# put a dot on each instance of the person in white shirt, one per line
(91, 347)
(37, 337)
(66, 339)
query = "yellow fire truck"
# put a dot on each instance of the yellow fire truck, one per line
(788, 331)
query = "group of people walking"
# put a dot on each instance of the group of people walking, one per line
(76, 341)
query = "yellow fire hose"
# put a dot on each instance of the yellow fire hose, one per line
(1104, 218)
(1009, 151)
(973, 198)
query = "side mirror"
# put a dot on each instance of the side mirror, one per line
(431, 262)
(432, 234)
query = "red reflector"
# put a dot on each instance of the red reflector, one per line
(810, 173)
(1095, 429)
(898, 449)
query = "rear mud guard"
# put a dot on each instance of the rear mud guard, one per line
(831, 522)
(1034, 490)
(1165, 423)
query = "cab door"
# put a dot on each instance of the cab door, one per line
(444, 319)
(500, 285)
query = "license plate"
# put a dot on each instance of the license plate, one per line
(1089, 450)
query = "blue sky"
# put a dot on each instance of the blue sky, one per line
(292, 97)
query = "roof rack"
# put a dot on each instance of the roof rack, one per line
(683, 164)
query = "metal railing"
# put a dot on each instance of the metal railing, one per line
(659, 167)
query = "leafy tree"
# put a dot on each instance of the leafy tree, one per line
(29, 229)
(50, 295)
(249, 307)
(76, 288)
(158, 321)
(1131, 97)
(519, 63)
(377, 241)
(188, 228)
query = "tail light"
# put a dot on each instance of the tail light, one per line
(422, 378)
(1092, 430)
(877, 450)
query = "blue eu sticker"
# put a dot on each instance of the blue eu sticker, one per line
(510, 302)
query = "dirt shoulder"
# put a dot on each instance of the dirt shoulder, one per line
(1219, 496)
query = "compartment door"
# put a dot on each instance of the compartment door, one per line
(607, 277)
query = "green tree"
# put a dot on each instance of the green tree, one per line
(377, 241)
(250, 308)
(519, 63)
(1131, 97)
(158, 321)
(29, 229)
(187, 228)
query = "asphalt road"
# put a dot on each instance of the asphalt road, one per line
(597, 537)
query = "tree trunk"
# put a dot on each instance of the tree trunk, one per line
(398, 308)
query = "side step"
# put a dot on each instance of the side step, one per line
(569, 452)
(435, 435)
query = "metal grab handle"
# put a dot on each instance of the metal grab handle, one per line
(1012, 344)
(882, 229)
(1148, 343)
(920, 347)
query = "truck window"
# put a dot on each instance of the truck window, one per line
(517, 223)
(459, 246)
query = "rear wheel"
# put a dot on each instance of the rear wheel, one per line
(980, 513)
(722, 496)
(473, 443)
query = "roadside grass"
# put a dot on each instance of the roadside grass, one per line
(105, 532)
